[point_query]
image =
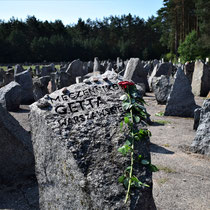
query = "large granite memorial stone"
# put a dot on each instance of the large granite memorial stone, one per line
(16, 153)
(25, 80)
(10, 96)
(180, 101)
(136, 72)
(201, 143)
(75, 135)
(201, 79)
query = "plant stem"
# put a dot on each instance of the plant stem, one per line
(132, 149)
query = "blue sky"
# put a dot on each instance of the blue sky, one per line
(69, 11)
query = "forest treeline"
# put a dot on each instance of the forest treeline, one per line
(181, 29)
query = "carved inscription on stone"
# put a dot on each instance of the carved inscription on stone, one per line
(90, 103)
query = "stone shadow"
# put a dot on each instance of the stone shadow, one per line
(158, 149)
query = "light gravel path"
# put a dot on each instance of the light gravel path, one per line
(183, 182)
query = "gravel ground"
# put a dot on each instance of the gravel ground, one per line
(183, 181)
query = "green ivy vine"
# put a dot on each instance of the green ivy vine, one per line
(133, 104)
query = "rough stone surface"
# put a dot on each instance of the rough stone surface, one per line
(201, 79)
(10, 96)
(75, 137)
(25, 80)
(96, 65)
(197, 113)
(75, 69)
(18, 69)
(188, 70)
(9, 76)
(47, 70)
(162, 88)
(181, 100)
(201, 143)
(16, 154)
(64, 80)
(40, 87)
(161, 69)
(136, 72)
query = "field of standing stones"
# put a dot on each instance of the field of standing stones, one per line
(60, 133)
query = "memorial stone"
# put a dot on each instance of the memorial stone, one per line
(201, 143)
(201, 79)
(181, 100)
(16, 153)
(10, 96)
(75, 135)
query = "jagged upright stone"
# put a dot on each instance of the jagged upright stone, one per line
(16, 153)
(26, 83)
(40, 87)
(96, 65)
(181, 100)
(162, 88)
(161, 69)
(10, 96)
(75, 135)
(18, 69)
(201, 143)
(2, 75)
(9, 76)
(136, 72)
(47, 70)
(188, 70)
(75, 69)
(90, 66)
(201, 79)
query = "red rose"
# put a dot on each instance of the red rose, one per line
(124, 84)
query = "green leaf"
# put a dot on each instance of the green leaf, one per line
(134, 94)
(132, 100)
(137, 183)
(140, 156)
(126, 182)
(121, 179)
(123, 97)
(137, 119)
(124, 149)
(128, 143)
(153, 168)
(121, 125)
(144, 162)
(126, 120)
(126, 105)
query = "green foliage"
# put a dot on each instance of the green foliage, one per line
(171, 57)
(159, 114)
(132, 103)
(115, 36)
(189, 49)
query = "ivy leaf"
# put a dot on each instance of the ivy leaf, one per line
(123, 97)
(138, 183)
(128, 143)
(124, 149)
(153, 168)
(132, 100)
(137, 119)
(121, 179)
(126, 120)
(134, 94)
(126, 105)
(144, 162)
(126, 181)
